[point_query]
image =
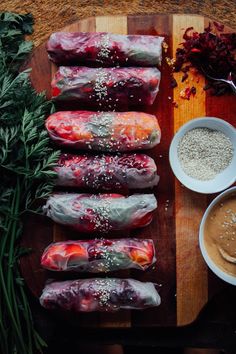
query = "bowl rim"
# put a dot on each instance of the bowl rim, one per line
(211, 264)
(177, 137)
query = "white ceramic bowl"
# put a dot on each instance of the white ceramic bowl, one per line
(219, 272)
(224, 179)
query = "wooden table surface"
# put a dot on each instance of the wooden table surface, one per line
(187, 283)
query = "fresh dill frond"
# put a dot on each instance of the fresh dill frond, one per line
(26, 169)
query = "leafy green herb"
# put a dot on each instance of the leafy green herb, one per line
(26, 162)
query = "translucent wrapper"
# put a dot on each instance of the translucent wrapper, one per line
(104, 131)
(104, 49)
(107, 88)
(109, 294)
(96, 256)
(106, 171)
(102, 212)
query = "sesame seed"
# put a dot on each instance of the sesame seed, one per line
(204, 153)
(100, 87)
(104, 46)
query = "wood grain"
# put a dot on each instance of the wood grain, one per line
(191, 271)
(185, 282)
(162, 229)
(41, 70)
(117, 24)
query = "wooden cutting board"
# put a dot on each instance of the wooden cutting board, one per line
(186, 284)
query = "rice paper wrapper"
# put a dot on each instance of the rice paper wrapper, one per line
(102, 255)
(106, 88)
(105, 172)
(102, 212)
(109, 294)
(104, 49)
(104, 131)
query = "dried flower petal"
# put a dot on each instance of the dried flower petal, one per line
(214, 52)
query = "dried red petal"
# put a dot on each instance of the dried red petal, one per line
(173, 83)
(193, 90)
(187, 92)
(186, 35)
(184, 77)
(214, 52)
(55, 91)
(209, 28)
(196, 50)
(218, 26)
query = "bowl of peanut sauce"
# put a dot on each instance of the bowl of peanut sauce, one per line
(217, 236)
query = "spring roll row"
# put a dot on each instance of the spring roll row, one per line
(99, 255)
(102, 212)
(106, 172)
(107, 89)
(97, 294)
(104, 49)
(104, 131)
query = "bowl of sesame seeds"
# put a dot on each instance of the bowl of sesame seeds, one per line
(203, 155)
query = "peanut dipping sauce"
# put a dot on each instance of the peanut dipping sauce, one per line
(220, 234)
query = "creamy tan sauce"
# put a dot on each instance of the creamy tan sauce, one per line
(220, 234)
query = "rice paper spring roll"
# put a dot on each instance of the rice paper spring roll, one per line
(102, 212)
(97, 294)
(104, 131)
(106, 88)
(104, 49)
(96, 256)
(105, 172)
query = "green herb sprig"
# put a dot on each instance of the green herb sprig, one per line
(26, 170)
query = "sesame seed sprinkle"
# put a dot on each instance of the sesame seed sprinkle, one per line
(100, 88)
(103, 290)
(104, 46)
(204, 153)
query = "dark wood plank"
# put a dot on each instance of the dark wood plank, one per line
(36, 238)
(41, 70)
(162, 229)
